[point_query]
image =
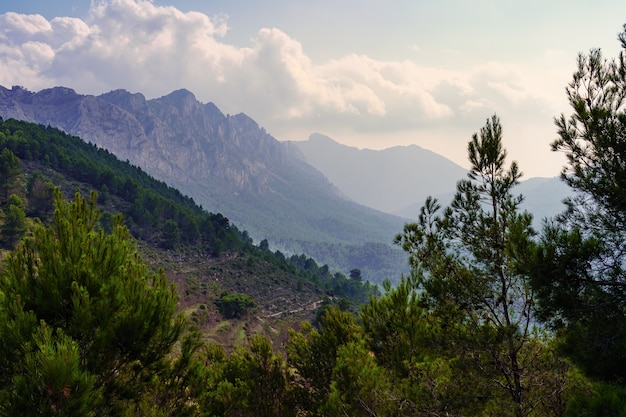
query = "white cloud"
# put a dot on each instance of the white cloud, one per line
(18, 28)
(35, 53)
(136, 45)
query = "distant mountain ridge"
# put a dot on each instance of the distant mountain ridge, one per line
(228, 164)
(388, 180)
(398, 180)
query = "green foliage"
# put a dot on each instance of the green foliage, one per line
(249, 382)
(52, 381)
(407, 359)
(175, 387)
(360, 387)
(171, 234)
(10, 169)
(579, 271)
(421, 352)
(469, 263)
(355, 274)
(338, 284)
(40, 195)
(14, 225)
(597, 401)
(397, 326)
(313, 355)
(375, 260)
(80, 302)
(234, 306)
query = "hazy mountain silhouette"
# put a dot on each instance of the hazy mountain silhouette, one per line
(388, 180)
(399, 179)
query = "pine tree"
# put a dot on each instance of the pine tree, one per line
(252, 381)
(14, 225)
(470, 262)
(580, 269)
(84, 325)
(313, 355)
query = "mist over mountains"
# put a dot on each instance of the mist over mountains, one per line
(388, 180)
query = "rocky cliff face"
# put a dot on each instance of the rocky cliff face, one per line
(188, 139)
(174, 137)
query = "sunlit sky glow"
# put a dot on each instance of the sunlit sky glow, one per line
(368, 73)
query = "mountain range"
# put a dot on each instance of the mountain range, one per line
(338, 204)
(389, 180)
(227, 164)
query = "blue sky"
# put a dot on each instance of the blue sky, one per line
(369, 73)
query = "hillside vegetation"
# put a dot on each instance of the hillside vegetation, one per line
(203, 253)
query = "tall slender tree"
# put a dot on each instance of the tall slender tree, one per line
(470, 261)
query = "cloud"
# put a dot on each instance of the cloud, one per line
(136, 45)
(22, 28)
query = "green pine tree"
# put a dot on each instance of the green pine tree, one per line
(83, 324)
(580, 270)
(252, 381)
(470, 261)
(14, 225)
(313, 355)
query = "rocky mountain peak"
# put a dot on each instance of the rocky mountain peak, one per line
(174, 137)
(212, 109)
(241, 119)
(55, 94)
(126, 100)
(228, 164)
(183, 100)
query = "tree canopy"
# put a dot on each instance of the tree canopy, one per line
(82, 318)
(580, 275)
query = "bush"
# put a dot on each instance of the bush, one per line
(234, 306)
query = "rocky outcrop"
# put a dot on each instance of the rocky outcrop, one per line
(174, 137)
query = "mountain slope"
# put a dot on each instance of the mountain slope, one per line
(210, 256)
(228, 164)
(387, 180)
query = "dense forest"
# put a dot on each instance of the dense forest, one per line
(495, 319)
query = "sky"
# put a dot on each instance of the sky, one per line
(368, 73)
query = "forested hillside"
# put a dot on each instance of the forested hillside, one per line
(172, 231)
